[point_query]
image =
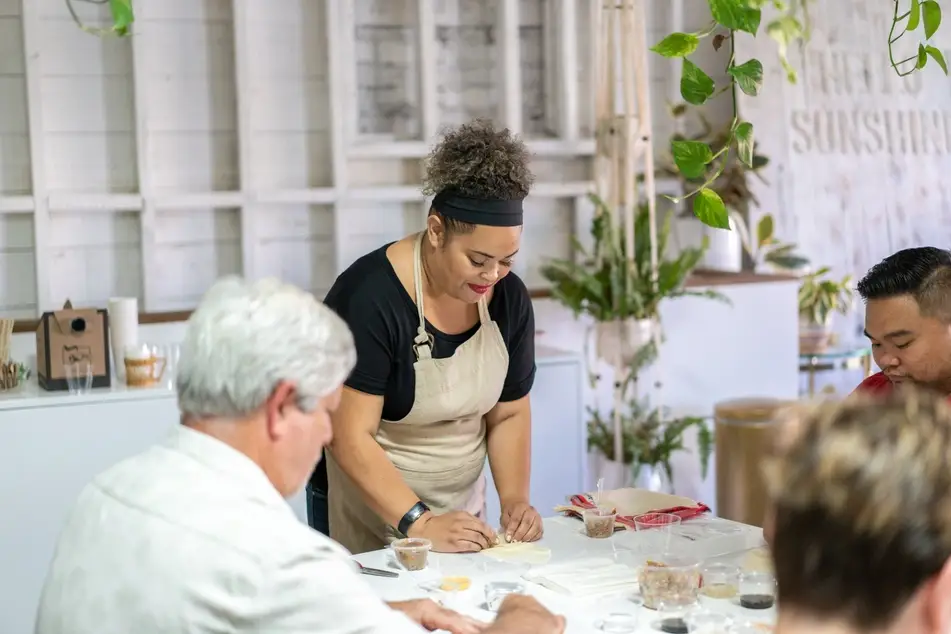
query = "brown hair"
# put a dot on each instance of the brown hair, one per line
(478, 161)
(862, 496)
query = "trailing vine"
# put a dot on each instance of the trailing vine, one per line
(122, 17)
(791, 26)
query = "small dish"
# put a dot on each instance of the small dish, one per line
(497, 591)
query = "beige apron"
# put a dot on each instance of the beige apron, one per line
(440, 447)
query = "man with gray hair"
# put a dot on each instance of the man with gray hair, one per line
(195, 536)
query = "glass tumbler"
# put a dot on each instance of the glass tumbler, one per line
(78, 376)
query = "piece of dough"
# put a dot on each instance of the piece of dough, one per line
(520, 553)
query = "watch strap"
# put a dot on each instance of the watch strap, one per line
(416, 512)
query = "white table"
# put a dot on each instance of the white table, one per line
(565, 539)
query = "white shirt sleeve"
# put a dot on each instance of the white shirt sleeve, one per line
(319, 592)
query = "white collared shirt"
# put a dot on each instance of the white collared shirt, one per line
(191, 537)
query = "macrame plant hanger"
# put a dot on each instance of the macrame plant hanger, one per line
(624, 142)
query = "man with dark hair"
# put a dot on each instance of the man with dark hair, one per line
(862, 533)
(908, 320)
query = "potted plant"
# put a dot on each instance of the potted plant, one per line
(616, 289)
(765, 249)
(820, 299)
(649, 444)
(729, 179)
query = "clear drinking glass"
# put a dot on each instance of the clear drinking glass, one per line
(78, 376)
(655, 530)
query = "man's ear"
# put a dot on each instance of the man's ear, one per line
(937, 601)
(283, 396)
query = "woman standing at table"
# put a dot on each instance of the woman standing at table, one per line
(445, 362)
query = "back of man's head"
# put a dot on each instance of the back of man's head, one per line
(247, 337)
(862, 497)
(924, 273)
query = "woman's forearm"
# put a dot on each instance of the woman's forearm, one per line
(367, 465)
(509, 439)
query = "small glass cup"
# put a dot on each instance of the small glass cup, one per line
(599, 522)
(497, 591)
(757, 590)
(412, 554)
(707, 622)
(619, 623)
(720, 581)
(78, 376)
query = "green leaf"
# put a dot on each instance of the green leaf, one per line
(922, 57)
(708, 207)
(736, 15)
(785, 31)
(938, 57)
(691, 157)
(914, 16)
(744, 142)
(764, 230)
(748, 76)
(677, 45)
(122, 16)
(931, 16)
(695, 85)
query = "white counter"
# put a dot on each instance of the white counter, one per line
(567, 542)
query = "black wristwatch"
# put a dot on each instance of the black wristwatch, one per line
(411, 516)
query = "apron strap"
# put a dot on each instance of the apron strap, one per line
(423, 342)
(484, 318)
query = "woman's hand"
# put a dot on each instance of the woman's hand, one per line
(434, 617)
(520, 614)
(521, 522)
(454, 532)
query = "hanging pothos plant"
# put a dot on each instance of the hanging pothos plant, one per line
(122, 17)
(702, 160)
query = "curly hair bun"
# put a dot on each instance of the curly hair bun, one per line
(476, 160)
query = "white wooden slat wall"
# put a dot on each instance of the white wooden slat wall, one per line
(270, 138)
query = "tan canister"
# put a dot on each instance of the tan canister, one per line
(744, 435)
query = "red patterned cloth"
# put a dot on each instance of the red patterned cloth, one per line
(683, 512)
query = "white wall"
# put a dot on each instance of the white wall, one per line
(271, 138)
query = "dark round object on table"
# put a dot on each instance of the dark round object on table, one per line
(757, 601)
(674, 625)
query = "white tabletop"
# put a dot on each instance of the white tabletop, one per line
(706, 539)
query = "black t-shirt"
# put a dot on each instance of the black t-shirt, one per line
(383, 317)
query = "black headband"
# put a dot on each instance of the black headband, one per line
(479, 211)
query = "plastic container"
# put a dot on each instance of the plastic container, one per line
(412, 554)
(599, 522)
(496, 591)
(670, 581)
(757, 590)
(720, 581)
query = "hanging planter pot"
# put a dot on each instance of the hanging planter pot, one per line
(652, 478)
(616, 475)
(814, 338)
(724, 248)
(619, 340)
